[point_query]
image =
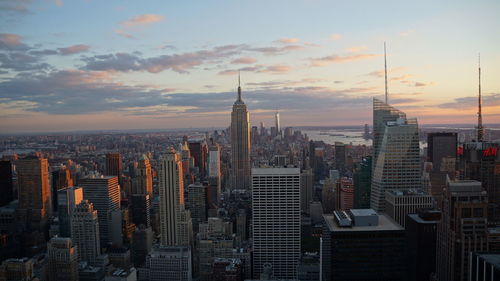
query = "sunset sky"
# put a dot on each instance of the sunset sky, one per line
(96, 65)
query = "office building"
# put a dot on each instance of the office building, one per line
(175, 221)
(225, 269)
(401, 202)
(6, 185)
(360, 244)
(61, 178)
(344, 194)
(421, 231)
(481, 161)
(306, 189)
(17, 269)
(214, 175)
(462, 230)
(329, 195)
(276, 220)
(34, 192)
(397, 160)
(199, 151)
(143, 182)
(240, 144)
(340, 156)
(439, 146)
(67, 199)
(85, 231)
(362, 179)
(169, 263)
(63, 259)
(196, 203)
(141, 205)
(104, 193)
(114, 164)
(484, 266)
(121, 274)
(142, 243)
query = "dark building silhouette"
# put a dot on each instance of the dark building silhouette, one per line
(114, 164)
(6, 187)
(362, 178)
(421, 229)
(441, 145)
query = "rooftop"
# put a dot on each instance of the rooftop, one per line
(384, 223)
(407, 192)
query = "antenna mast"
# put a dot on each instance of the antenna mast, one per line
(385, 68)
(480, 128)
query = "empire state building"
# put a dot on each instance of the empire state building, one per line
(240, 144)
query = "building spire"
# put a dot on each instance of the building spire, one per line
(385, 70)
(239, 88)
(480, 128)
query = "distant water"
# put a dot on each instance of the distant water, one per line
(347, 136)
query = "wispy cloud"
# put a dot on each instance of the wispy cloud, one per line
(324, 61)
(126, 27)
(356, 49)
(489, 100)
(335, 36)
(287, 40)
(244, 60)
(406, 32)
(75, 49)
(380, 73)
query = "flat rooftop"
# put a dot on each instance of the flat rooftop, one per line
(493, 259)
(384, 224)
(407, 192)
(418, 219)
(275, 171)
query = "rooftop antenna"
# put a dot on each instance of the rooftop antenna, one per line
(385, 68)
(480, 128)
(239, 87)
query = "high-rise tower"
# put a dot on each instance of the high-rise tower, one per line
(85, 231)
(240, 144)
(277, 123)
(480, 128)
(175, 221)
(34, 192)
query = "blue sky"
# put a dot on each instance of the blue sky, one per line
(69, 65)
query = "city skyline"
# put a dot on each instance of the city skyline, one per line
(117, 66)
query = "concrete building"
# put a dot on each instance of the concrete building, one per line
(462, 230)
(484, 266)
(143, 182)
(67, 199)
(17, 269)
(104, 193)
(360, 244)
(63, 259)
(197, 204)
(85, 231)
(142, 243)
(240, 144)
(401, 202)
(276, 220)
(421, 231)
(141, 205)
(35, 205)
(169, 263)
(175, 221)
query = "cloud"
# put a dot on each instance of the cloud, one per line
(277, 69)
(136, 22)
(489, 100)
(15, 6)
(380, 73)
(420, 84)
(287, 40)
(335, 36)
(356, 49)
(276, 50)
(58, 3)
(73, 49)
(324, 61)
(12, 42)
(401, 78)
(406, 32)
(20, 61)
(244, 60)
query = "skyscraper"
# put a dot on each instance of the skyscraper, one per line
(67, 199)
(462, 230)
(240, 144)
(441, 145)
(397, 154)
(104, 193)
(214, 175)
(144, 178)
(175, 221)
(61, 178)
(401, 202)
(85, 231)
(277, 123)
(6, 187)
(34, 192)
(114, 164)
(276, 220)
(362, 179)
(63, 259)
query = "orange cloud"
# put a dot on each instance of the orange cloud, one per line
(74, 49)
(244, 60)
(142, 20)
(324, 61)
(10, 39)
(288, 40)
(356, 49)
(278, 68)
(335, 36)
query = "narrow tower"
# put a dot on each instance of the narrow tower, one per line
(480, 128)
